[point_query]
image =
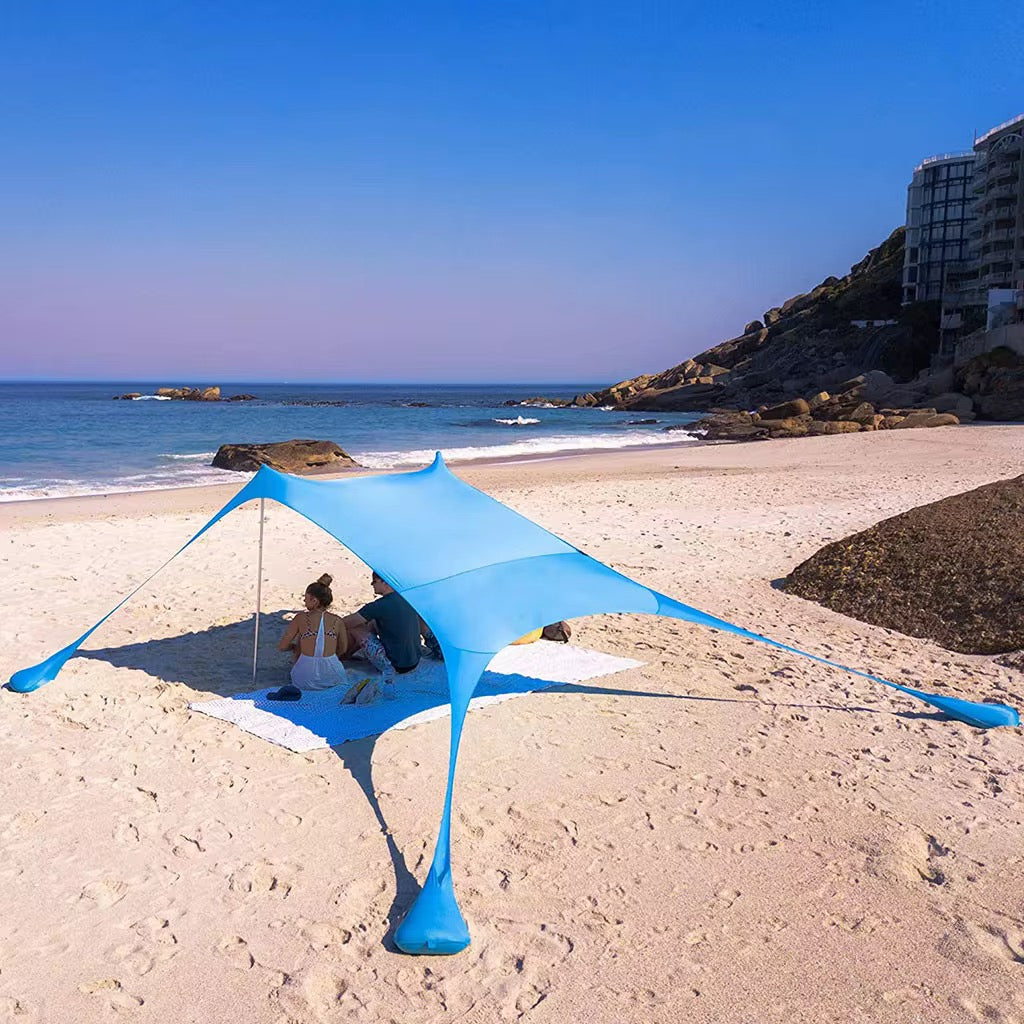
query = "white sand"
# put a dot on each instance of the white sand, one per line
(747, 837)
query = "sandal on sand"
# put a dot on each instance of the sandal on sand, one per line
(285, 693)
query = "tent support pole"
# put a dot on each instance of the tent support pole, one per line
(259, 595)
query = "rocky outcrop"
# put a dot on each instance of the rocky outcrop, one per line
(995, 383)
(298, 456)
(951, 571)
(211, 394)
(128, 396)
(539, 402)
(846, 412)
(808, 343)
(190, 394)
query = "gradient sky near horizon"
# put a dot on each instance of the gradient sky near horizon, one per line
(458, 191)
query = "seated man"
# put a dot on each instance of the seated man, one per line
(386, 632)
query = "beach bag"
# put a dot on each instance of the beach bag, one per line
(557, 631)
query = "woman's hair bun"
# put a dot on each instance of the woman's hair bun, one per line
(325, 580)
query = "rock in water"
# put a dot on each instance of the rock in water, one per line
(951, 571)
(301, 457)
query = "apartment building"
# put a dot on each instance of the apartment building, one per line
(965, 242)
(939, 218)
(997, 231)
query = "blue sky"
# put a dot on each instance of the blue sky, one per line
(462, 191)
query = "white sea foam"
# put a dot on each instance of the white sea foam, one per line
(528, 446)
(519, 421)
(180, 476)
(193, 469)
(152, 398)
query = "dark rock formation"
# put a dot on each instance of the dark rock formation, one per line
(128, 396)
(242, 398)
(951, 571)
(995, 383)
(300, 457)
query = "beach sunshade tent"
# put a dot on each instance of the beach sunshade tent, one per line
(481, 575)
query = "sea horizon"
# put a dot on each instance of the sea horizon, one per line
(71, 438)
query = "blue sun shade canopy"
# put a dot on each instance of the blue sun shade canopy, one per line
(480, 575)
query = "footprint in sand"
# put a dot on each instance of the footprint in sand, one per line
(323, 935)
(322, 993)
(261, 877)
(104, 893)
(1001, 943)
(157, 943)
(17, 1011)
(724, 899)
(118, 999)
(235, 950)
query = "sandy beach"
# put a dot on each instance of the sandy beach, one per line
(728, 834)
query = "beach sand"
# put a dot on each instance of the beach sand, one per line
(729, 834)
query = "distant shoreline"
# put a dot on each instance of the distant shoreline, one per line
(145, 498)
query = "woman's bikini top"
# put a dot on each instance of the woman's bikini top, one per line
(308, 633)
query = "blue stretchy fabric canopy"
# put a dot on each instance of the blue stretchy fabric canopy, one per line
(481, 575)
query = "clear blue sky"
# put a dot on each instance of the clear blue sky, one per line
(455, 191)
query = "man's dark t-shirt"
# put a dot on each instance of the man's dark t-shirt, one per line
(398, 627)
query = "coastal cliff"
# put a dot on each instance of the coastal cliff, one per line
(810, 342)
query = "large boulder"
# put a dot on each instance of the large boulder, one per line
(787, 410)
(876, 384)
(730, 426)
(951, 571)
(927, 418)
(300, 457)
(953, 401)
(833, 427)
(791, 426)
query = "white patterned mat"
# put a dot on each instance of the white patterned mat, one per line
(319, 720)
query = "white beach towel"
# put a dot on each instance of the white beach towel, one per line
(318, 720)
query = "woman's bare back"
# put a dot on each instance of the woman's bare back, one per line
(335, 637)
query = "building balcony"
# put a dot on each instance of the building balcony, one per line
(1000, 279)
(1000, 247)
(1009, 150)
(1007, 191)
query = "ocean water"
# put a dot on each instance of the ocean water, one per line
(59, 439)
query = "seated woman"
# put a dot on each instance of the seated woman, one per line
(315, 638)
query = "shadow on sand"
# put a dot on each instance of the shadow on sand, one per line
(218, 661)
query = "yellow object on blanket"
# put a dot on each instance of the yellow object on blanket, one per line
(530, 637)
